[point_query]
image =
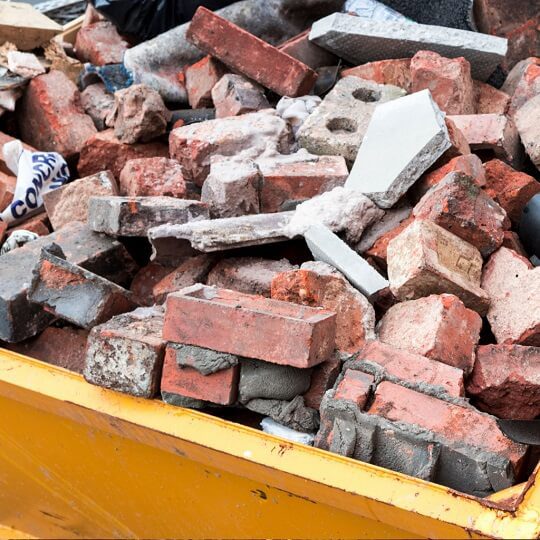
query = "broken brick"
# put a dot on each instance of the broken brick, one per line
(201, 77)
(250, 275)
(505, 381)
(459, 146)
(104, 151)
(100, 43)
(97, 103)
(70, 202)
(152, 177)
(396, 72)
(126, 353)
(323, 378)
(251, 326)
(510, 188)
(514, 288)
(528, 125)
(264, 64)
(301, 48)
(220, 387)
(51, 117)
(145, 280)
(448, 79)
(319, 285)
(426, 259)
(438, 326)
(512, 241)
(74, 294)
(489, 100)
(234, 95)
(38, 224)
(355, 386)
(523, 83)
(458, 205)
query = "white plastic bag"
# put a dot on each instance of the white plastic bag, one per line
(37, 174)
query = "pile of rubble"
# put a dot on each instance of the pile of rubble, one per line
(327, 238)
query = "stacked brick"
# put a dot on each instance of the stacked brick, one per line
(350, 267)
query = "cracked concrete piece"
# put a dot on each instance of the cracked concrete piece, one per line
(338, 125)
(133, 216)
(359, 41)
(412, 132)
(329, 248)
(271, 381)
(205, 361)
(223, 234)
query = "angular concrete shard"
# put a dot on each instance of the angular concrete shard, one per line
(412, 133)
(223, 234)
(329, 248)
(359, 41)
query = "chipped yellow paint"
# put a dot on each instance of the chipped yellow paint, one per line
(80, 461)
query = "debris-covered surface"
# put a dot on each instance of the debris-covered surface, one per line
(325, 216)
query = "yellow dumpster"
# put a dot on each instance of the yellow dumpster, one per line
(80, 461)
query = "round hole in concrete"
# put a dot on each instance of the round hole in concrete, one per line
(342, 125)
(367, 95)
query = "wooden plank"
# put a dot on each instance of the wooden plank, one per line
(69, 32)
(24, 26)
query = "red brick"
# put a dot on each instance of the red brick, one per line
(514, 288)
(459, 144)
(234, 95)
(152, 177)
(104, 152)
(4, 138)
(355, 317)
(307, 52)
(97, 103)
(201, 77)
(413, 368)
(220, 387)
(251, 326)
(323, 378)
(395, 71)
(8, 183)
(38, 224)
(512, 241)
(264, 64)
(3, 229)
(448, 79)
(439, 327)
(455, 424)
(510, 188)
(494, 132)
(427, 259)
(63, 347)
(356, 387)
(100, 44)
(287, 181)
(469, 164)
(458, 205)
(489, 100)
(523, 83)
(505, 381)
(144, 281)
(51, 117)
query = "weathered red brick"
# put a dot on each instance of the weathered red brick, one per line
(97, 103)
(234, 95)
(323, 378)
(104, 151)
(458, 205)
(396, 72)
(4, 138)
(505, 381)
(145, 280)
(413, 368)
(220, 387)
(201, 77)
(63, 347)
(51, 117)
(514, 288)
(523, 83)
(459, 144)
(126, 353)
(250, 275)
(321, 286)
(307, 52)
(448, 79)
(264, 64)
(490, 100)
(3, 229)
(495, 132)
(439, 327)
(8, 183)
(100, 44)
(510, 188)
(427, 259)
(287, 181)
(512, 241)
(251, 326)
(455, 424)
(38, 224)
(356, 387)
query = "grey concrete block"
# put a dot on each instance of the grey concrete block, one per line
(205, 361)
(358, 41)
(412, 134)
(221, 234)
(329, 248)
(338, 125)
(271, 381)
(134, 216)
